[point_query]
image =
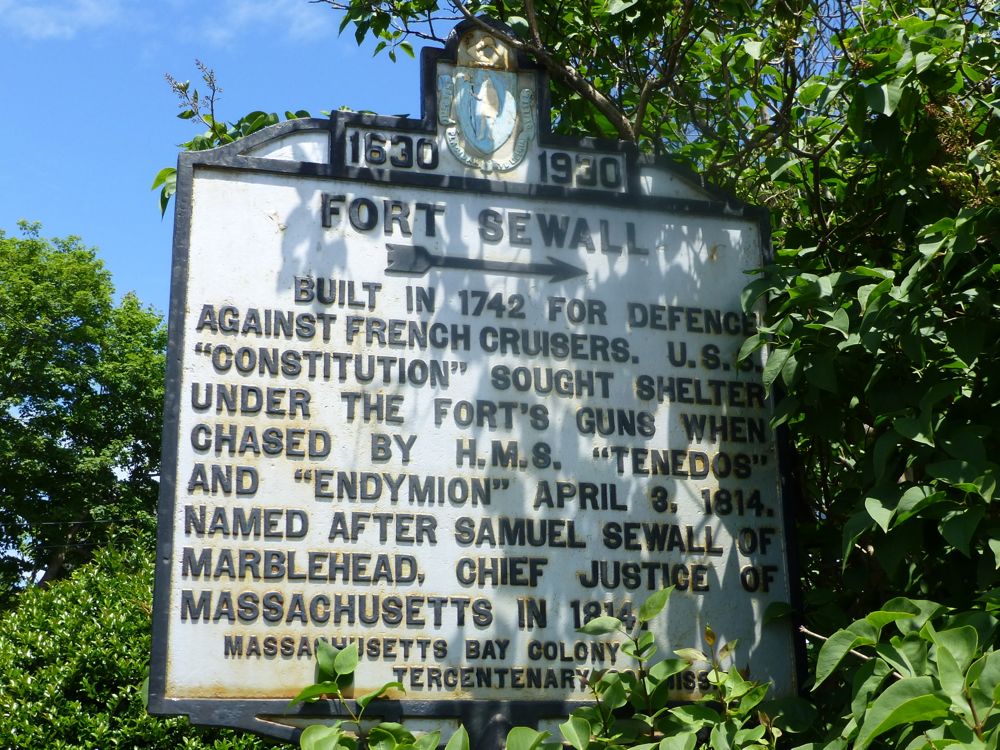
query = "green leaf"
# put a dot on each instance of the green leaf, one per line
(162, 176)
(952, 683)
(721, 737)
(614, 7)
(429, 741)
(910, 700)
(325, 657)
(667, 668)
(691, 655)
(753, 47)
(782, 166)
(727, 649)
(897, 658)
(644, 647)
(917, 429)
(612, 691)
(646, 642)
(166, 180)
(315, 691)
(923, 60)
(960, 642)
(576, 731)
(922, 609)
(871, 293)
(601, 626)
(346, 660)
(754, 291)
(880, 618)
(654, 604)
(878, 512)
(519, 24)
(914, 500)
(367, 698)
(752, 344)
(884, 98)
(524, 738)
(459, 740)
(811, 90)
(988, 679)
(856, 525)
(839, 321)
(749, 736)
(838, 743)
(866, 680)
(883, 452)
(320, 737)
(772, 368)
(959, 526)
(965, 442)
(696, 714)
(753, 696)
(820, 370)
(953, 471)
(836, 648)
(389, 735)
(679, 741)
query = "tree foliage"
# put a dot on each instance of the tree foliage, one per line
(199, 106)
(81, 394)
(869, 130)
(630, 708)
(72, 662)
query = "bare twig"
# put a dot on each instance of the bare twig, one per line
(864, 657)
(651, 86)
(536, 37)
(562, 72)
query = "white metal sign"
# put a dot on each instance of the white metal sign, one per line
(449, 389)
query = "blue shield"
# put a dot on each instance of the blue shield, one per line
(486, 107)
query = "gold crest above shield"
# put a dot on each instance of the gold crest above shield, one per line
(481, 108)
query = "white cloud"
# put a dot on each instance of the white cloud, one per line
(296, 19)
(220, 22)
(58, 19)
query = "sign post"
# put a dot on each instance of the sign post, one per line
(448, 389)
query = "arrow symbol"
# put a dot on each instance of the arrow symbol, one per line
(416, 260)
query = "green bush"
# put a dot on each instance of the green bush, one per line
(73, 658)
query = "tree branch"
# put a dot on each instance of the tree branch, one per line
(864, 657)
(562, 72)
(651, 86)
(529, 9)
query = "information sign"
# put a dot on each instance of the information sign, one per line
(449, 389)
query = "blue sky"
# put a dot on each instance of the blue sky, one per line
(88, 120)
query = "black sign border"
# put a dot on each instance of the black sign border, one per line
(486, 721)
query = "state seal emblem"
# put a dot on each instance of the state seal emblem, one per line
(488, 123)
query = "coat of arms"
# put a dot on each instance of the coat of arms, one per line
(489, 124)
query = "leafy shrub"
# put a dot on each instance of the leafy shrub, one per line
(81, 394)
(73, 658)
(869, 130)
(631, 707)
(920, 675)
